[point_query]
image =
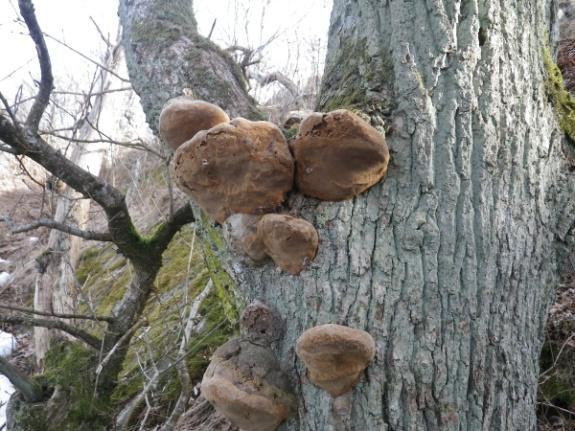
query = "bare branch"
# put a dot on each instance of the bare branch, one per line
(31, 391)
(84, 336)
(46, 80)
(180, 218)
(84, 56)
(58, 315)
(264, 80)
(52, 224)
(93, 94)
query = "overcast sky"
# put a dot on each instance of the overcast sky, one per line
(299, 28)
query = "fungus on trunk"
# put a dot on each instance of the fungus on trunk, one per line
(335, 356)
(290, 241)
(237, 167)
(182, 117)
(244, 381)
(338, 155)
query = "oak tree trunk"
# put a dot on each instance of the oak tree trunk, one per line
(451, 262)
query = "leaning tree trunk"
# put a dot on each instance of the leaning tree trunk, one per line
(451, 262)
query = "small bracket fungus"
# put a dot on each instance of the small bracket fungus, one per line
(291, 242)
(182, 117)
(240, 231)
(338, 155)
(244, 383)
(238, 167)
(335, 356)
(260, 324)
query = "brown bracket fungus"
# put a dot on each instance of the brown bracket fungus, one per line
(244, 383)
(335, 356)
(338, 155)
(291, 242)
(182, 117)
(238, 167)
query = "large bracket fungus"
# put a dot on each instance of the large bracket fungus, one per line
(291, 242)
(244, 381)
(238, 167)
(182, 117)
(338, 155)
(335, 356)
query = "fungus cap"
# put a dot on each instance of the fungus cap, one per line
(290, 241)
(244, 383)
(182, 117)
(237, 167)
(335, 356)
(338, 155)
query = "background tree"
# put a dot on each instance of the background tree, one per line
(24, 138)
(452, 261)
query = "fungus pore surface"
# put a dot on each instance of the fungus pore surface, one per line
(237, 167)
(338, 155)
(182, 117)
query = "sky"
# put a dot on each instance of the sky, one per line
(297, 28)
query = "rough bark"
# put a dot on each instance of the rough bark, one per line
(451, 262)
(162, 42)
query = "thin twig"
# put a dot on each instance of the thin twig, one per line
(58, 315)
(89, 339)
(46, 79)
(52, 224)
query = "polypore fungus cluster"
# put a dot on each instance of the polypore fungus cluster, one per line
(244, 381)
(241, 171)
(335, 356)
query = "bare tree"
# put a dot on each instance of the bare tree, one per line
(23, 138)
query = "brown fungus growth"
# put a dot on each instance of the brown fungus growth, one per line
(244, 383)
(182, 117)
(338, 156)
(240, 232)
(335, 356)
(290, 241)
(238, 167)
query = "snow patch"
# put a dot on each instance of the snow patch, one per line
(4, 261)
(33, 239)
(7, 344)
(4, 278)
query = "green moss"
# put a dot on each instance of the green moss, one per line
(212, 245)
(562, 101)
(70, 367)
(186, 270)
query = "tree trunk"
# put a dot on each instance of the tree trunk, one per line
(450, 263)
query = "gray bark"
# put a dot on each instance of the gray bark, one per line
(451, 262)
(161, 40)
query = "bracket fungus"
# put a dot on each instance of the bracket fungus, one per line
(290, 241)
(335, 356)
(338, 155)
(182, 117)
(244, 382)
(237, 167)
